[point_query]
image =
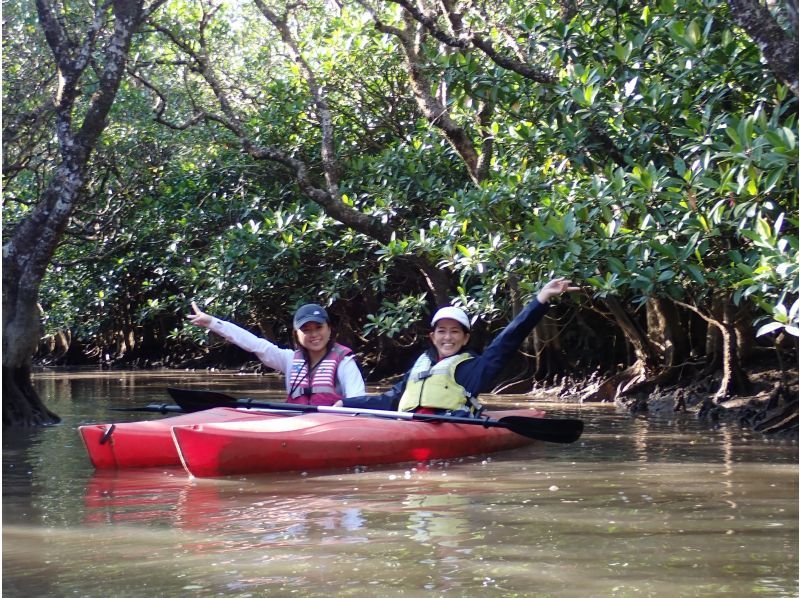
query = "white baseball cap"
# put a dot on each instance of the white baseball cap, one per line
(452, 313)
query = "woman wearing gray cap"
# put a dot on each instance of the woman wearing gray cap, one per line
(319, 371)
(448, 377)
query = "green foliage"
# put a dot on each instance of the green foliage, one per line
(662, 162)
(393, 318)
(701, 198)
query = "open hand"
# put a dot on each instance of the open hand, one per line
(554, 288)
(198, 318)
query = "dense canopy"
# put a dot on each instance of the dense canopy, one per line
(383, 157)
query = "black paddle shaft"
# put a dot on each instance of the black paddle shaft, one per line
(563, 431)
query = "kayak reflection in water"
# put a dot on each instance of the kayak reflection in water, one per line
(319, 371)
(448, 377)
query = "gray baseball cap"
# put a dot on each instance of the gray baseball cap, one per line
(311, 312)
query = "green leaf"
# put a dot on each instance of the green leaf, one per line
(663, 249)
(465, 251)
(693, 33)
(763, 229)
(666, 275)
(696, 273)
(595, 282)
(734, 135)
(646, 18)
(616, 265)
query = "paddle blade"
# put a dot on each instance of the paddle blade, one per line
(562, 431)
(198, 400)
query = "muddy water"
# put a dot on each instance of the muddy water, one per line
(635, 508)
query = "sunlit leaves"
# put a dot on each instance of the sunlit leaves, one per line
(662, 163)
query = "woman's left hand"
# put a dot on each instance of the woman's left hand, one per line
(554, 288)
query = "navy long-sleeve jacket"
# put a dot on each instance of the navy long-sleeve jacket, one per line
(476, 375)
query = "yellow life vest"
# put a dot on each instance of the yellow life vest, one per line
(434, 385)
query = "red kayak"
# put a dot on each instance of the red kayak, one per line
(149, 443)
(328, 441)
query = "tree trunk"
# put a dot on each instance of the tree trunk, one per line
(745, 334)
(778, 46)
(633, 333)
(734, 379)
(549, 361)
(722, 325)
(21, 332)
(666, 333)
(714, 346)
(714, 341)
(32, 243)
(22, 406)
(638, 371)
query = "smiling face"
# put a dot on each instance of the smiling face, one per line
(448, 337)
(314, 337)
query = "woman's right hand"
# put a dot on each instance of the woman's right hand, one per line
(198, 318)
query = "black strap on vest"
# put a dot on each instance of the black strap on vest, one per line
(309, 374)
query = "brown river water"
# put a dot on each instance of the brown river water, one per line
(636, 507)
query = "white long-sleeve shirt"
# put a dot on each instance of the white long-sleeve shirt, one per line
(349, 382)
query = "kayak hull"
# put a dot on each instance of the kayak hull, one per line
(149, 443)
(327, 441)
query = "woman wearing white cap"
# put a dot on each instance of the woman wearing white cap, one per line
(319, 371)
(448, 377)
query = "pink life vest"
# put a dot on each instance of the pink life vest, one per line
(319, 386)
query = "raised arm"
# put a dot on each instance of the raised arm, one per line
(479, 374)
(268, 353)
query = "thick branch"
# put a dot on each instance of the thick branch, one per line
(777, 46)
(431, 108)
(327, 197)
(485, 116)
(466, 39)
(328, 150)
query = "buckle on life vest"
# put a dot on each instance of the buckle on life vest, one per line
(474, 406)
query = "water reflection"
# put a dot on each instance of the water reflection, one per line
(242, 509)
(436, 517)
(637, 507)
